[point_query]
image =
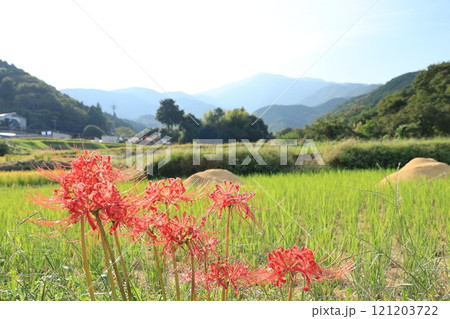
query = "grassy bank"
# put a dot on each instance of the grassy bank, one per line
(238, 158)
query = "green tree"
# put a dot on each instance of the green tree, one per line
(367, 129)
(7, 89)
(430, 105)
(212, 124)
(169, 113)
(433, 85)
(393, 103)
(213, 117)
(238, 124)
(98, 118)
(208, 131)
(190, 128)
(290, 133)
(328, 128)
(92, 131)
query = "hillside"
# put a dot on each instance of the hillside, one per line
(372, 98)
(148, 121)
(338, 90)
(279, 117)
(415, 104)
(44, 107)
(264, 89)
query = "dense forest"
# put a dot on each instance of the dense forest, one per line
(45, 108)
(412, 105)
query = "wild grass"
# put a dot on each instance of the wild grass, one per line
(21, 178)
(398, 241)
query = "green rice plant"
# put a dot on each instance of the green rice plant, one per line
(21, 178)
(396, 236)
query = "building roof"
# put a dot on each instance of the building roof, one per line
(12, 114)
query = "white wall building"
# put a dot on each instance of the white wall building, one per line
(15, 117)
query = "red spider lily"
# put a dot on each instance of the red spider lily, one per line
(138, 224)
(203, 246)
(229, 196)
(219, 274)
(294, 260)
(88, 186)
(179, 231)
(168, 191)
(88, 191)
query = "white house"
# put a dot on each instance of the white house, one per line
(14, 117)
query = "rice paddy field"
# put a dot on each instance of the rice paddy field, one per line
(397, 237)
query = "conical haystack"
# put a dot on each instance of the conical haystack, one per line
(416, 168)
(212, 176)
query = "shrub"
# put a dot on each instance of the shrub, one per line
(4, 148)
(181, 162)
(92, 131)
(388, 155)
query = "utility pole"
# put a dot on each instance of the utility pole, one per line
(114, 107)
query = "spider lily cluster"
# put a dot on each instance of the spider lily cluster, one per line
(89, 193)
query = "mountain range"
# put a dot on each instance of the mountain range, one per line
(252, 93)
(279, 117)
(403, 106)
(265, 89)
(132, 103)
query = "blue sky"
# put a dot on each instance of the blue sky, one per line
(194, 46)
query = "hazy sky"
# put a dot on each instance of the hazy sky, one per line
(194, 45)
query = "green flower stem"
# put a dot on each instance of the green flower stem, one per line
(193, 277)
(291, 287)
(122, 263)
(227, 245)
(227, 238)
(85, 262)
(158, 268)
(208, 296)
(175, 270)
(109, 253)
(108, 271)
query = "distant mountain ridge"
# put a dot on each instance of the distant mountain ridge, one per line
(265, 89)
(338, 90)
(279, 117)
(251, 93)
(134, 102)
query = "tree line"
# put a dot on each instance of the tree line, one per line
(215, 124)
